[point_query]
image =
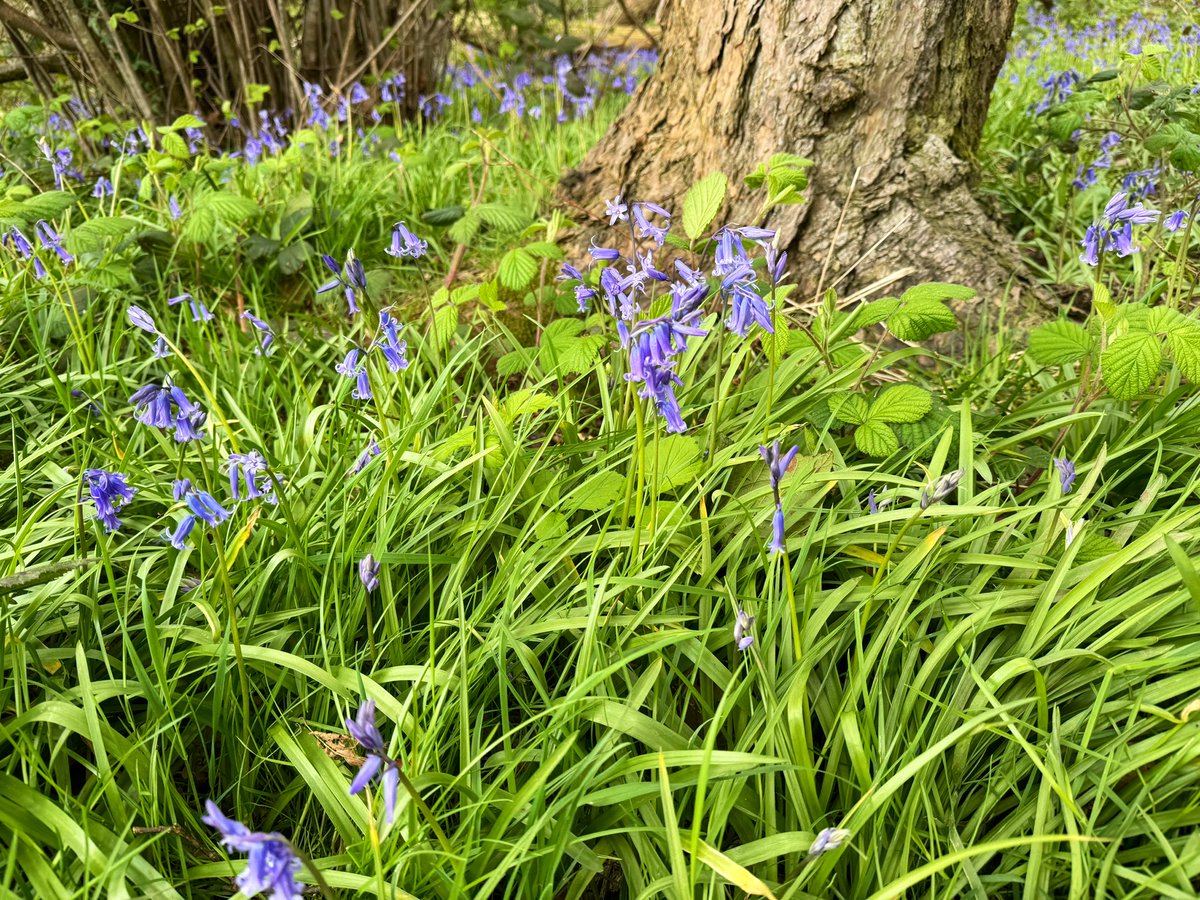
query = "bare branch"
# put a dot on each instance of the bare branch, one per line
(14, 17)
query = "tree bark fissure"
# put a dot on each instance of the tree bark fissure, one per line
(890, 97)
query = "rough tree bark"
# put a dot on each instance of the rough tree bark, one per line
(887, 96)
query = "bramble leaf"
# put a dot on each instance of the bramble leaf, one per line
(1059, 343)
(702, 203)
(848, 408)
(600, 491)
(935, 291)
(517, 269)
(1184, 344)
(901, 403)
(1130, 364)
(918, 320)
(876, 439)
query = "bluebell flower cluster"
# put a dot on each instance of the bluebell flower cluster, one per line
(351, 278)
(370, 452)
(199, 311)
(1176, 220)
(109, 492)
(1066, 473)
(201, 505)
(378, 763)
(405, 243)
(1085, 176)
(247, 469)
(266, 335)
(1057, 87)
(16, 239)
(352, 367)
(389, 343)
(743, 634)
(368, 573)
(166, 407)
(271, 864)
(1113, 232)
(778, 463)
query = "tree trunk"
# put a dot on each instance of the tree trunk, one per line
(887, 97)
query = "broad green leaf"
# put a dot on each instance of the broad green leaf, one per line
(517, 269)
(176, 146)
(702, 203)
(775, 344)
(935, 291)
(46, 205)
(515, 362)
(501, 217)
(524, 403)
(849, 408)
(1184, 344)
(874, 312)
(445, 321)
(917, 321)
(228, 207)
(1059, 343)
(544, 250)
(876, 439)
(95, 233)
(600, 491)
(678, 460)
(901, 403)
(1130, 364)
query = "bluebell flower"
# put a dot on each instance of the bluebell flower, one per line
(139, 318)
(173, 207)
(646, 228)
(583, 293)
(272, 864)
(389, 343)
(372, 450)
(405, 243)
(350, 367)
(1175, 220)
(828, 839)
(777, 465)
(103, 187)
(200, 312)
(267, 336)
(742, 625)
(245, 468)
(616, 210)
(180, 487)
(754, 233)
(602, 254)
(178, 537)
(166, 406)
(364, 730)
(52, 240)
(941, 489)
(109, 492)
(1066, 473)
(204, 506)
(368, 572)
(161, 350)
(1114, 230)
(346, 280)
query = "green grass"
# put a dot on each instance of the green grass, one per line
(988, 711)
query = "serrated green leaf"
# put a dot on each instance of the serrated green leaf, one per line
(702, 203)
(515, 362)
(876, 439)
(918, 320)
(445, 321)
(228, 207)
(544, 250)
(489, 296)
(501, 217)
(600, 491)
(775, 345)
(464, 229)
(524, 402)
(1059, 343)
(95, 233)
(900, 403)
(875, 312)
(936, 291)
(678, 458)
(849, 408)
(517, 269)
(1130, 364)
(187, 120)
(176, 146)
(45, 205)
(1184, 344)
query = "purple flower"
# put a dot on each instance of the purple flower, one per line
(1114, 230)
(343, 280)
(166, 406)
(742, 625)
(204, 506)
(364, 730)
(602, 253)
(368, 572)
(1066, 473)
(405, 243)
(777, 464)
(1175, 220)
(52, 240)
(646, 228)
(161, 350)
(268, 336)
(173, 207)
(272, 863)
(828, 839)
(245, 468)
(109, 492)
(139, 318)
(616, 210)
(103, 187)
(350, 367)
(178, 537)
(372, 450)
(389, 343)
(200, 312)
